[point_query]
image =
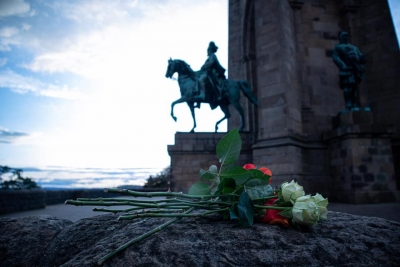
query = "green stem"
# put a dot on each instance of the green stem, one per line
(264, 198)
(239, 187)
(132, 209)
(140, 238)
(271, 207)
(123, 200)
(160, 194)
(187, 204)
(176, 215)
(111, 200)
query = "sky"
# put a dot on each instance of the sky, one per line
(84, 98)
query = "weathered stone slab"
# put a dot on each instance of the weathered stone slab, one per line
(342, 240)
(23, 241)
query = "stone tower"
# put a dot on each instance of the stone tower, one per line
(284, 48)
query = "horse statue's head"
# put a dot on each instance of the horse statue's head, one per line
(171, 68)
(180, 66)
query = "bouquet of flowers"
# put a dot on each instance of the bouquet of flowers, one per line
(239, 193)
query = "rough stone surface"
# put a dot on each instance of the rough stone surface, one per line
(342, 240)
(24, 240)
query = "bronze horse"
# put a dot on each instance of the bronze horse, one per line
(187, 80)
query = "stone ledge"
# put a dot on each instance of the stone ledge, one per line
(288, 141)
(360, 131)
(365, 197)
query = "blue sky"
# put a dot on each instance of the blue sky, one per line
(83, 84)
(84, 98)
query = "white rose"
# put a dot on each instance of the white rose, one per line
(291, 191)
(305, 211)
(322, 203)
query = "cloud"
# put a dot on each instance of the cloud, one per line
(129, 43)
(8, 137)
(6, 40)
(3, 61)
(88, 177)
(8, 31)
(14, 7)
(26, 27)
(24, 84)
(98, 12)
(12, 36)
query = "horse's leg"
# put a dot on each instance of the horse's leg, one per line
(191, 106)
(227, 115)
(239, 108)
(180, 100)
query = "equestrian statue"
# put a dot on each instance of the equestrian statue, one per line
(209, 85)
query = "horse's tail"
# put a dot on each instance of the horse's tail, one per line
(246, 89)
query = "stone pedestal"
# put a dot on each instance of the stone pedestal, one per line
(361, 160)
(194, 151)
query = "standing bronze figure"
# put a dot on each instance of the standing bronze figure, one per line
(351, 70)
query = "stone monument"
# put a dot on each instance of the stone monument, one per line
(208, 85)
(285, 49)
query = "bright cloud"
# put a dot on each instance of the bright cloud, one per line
(24, 84)
(99, 12)
(128, 40)
(8, 137)
(11, 36)
(14, 7)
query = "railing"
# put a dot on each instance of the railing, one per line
(22, 200)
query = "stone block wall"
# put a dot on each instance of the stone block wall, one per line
(20, 200)
(361, 162)
(194, 151)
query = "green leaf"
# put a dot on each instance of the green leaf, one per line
(256, 173)
(259, 191)
(228, 148)
(199, 188)
(233, 212)
(211, 174)
(258, 178)
(287, 213)
(238, 173)
(227, 186)
(245, 210)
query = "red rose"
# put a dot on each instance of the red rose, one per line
(249, 166)
(272, 217)
(265, 170)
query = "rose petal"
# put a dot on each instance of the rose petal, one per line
(249, 166)
(271, 216)
(266, 171)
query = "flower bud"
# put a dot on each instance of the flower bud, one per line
(249, 166)
(291, 191)
(322, 203)
(305, 211)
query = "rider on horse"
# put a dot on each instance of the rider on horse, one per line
(214, 73)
